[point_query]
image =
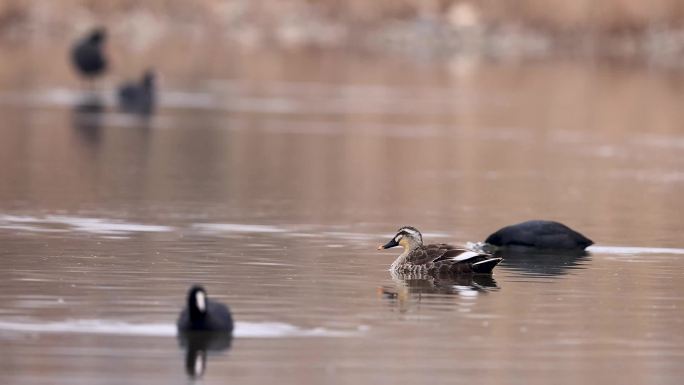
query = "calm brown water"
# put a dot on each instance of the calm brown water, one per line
(272, 184)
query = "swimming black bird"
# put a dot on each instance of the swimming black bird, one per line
(202, 314)
(138, 97)
(87, 54)
(538, 234)
(441, 258)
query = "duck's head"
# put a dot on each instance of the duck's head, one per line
(197, 302)
(407, 237)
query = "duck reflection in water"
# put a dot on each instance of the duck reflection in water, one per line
(410, 288)
(198, 345)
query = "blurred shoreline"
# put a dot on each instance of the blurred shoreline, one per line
(652, 32)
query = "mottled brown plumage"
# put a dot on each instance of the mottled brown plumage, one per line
(438, 258)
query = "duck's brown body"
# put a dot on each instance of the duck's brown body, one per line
(442, 258)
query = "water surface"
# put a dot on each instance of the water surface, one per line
(273, 189)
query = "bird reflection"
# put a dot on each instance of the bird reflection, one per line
(409, 288)
(542, 263)
(87, 117)
(198, 345)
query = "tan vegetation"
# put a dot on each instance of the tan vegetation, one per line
(625, 27)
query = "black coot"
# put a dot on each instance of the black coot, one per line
(138, 97)
(203, 314)
(87, 54)
(538, 234)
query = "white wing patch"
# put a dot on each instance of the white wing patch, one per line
(466, 255)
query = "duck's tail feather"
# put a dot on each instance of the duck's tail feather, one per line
(486, 266)
(481, 247)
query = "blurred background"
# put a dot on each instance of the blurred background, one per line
(276, 143)
(628, 30)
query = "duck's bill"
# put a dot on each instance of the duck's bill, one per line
(388, 245)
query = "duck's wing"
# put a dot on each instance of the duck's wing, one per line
(427, 253)
(460, 254)
(463, 260)
(440, 252)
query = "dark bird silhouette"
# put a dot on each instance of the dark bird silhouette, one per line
(87, 54)
(203, 314)
(538, 234)
(138, 97)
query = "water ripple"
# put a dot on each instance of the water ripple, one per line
(242, 329)
(627, 250)
(61, 223)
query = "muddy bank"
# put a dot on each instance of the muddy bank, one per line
(653, 31)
